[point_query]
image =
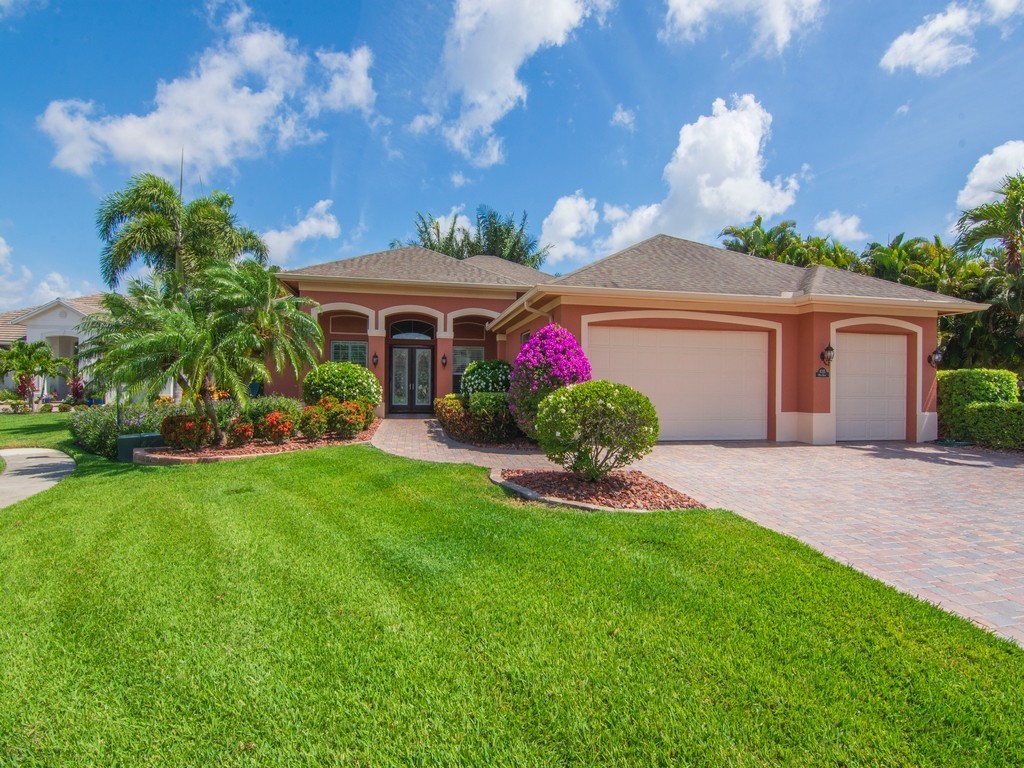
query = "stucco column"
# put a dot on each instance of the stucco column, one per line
(443, 373)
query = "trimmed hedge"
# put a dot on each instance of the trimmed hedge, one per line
(486, 376)
(257, 409)
(455, 418)
(595, 427)
(959, 388)
(346, 381)
(491, 417)
(95, 429)
(999, 425)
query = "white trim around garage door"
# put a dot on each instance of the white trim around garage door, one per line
(927, 423)
(785, 429)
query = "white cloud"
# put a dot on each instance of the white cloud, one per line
(12, 8)
(1001, 10)
(249, 91)
(462, 221)
(318, 222)
(715, 178)
(846, 229)
(572, 217)
(988, 174)
(624, 118)
(18, 289)
(938, 44)
(903, 109)
(486, 44)
(776, 21)
(459, 179)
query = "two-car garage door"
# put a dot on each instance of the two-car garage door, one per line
(705, 385)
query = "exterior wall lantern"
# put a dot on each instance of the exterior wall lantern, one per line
(444, 361)
(375, 359)
(935, 358)
(828, 355)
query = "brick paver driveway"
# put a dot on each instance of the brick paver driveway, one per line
(946, 524)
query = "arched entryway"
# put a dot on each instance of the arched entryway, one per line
(410, 378)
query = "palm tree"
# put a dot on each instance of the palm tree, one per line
(1001, 220)
(149, 222)
(891, 261)
(454, 241)
(27, 360)
(219, 334)
(764, 243)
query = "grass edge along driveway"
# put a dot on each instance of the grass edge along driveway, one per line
(346, 607)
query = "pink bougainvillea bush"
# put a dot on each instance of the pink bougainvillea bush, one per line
(552, 359)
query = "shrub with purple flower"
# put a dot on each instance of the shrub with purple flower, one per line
(550, 360)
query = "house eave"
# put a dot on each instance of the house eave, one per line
(296, 278)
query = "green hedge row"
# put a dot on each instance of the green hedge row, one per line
(1000, 425)
(980, 405)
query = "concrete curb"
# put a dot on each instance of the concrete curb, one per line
(552, 501)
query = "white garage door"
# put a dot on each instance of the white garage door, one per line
(705, 385)
(871, 386)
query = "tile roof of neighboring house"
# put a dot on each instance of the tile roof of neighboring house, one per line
(415, 264)
(665, 263)
(8, 331)
(87, 305)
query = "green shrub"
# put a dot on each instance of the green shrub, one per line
(260, 407)
(486, 376)
(595, 427)
(959, 388)
(276, 427)
(186, 430)
(238, 432)
(95, 429)
(9, 396)
(345, 381)
(455, 418)
(313, 422)
(491, 417)
(999, 425)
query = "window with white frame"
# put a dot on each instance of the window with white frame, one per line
(349, 352)
(524, 337)
(461, 358)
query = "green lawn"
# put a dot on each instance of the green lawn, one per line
(345, 607)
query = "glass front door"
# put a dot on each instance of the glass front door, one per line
(412, 379)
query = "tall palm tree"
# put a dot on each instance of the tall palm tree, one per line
(1001, 220)
(454, 240)
(890, 261)
(771, 243)
(219, 334)
(148, 222)
(27, 360)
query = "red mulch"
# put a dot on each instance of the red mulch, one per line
(263, 447)
(622, 489)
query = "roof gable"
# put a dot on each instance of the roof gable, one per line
(81, 305)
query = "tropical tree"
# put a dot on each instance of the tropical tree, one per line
(771, 243)
(149, 222)
(494, 234)
(69, 369)
(1001, 220)
(27, 360)
(224, 332)
(891, 261)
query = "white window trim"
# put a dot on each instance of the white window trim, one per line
(365, 346)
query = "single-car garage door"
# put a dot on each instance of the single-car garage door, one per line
(705, 385)
(871, 386)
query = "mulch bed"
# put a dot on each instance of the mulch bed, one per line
(622, 489)
(263, 447)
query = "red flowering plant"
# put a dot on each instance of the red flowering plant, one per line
(277, 427)
(550, 360)
(186, 431)
(239, 432)
(313, 422)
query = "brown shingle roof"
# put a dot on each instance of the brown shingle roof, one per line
(415, 264)
(520, 272)
(665, 263)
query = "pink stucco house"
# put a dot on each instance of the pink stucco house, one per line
(727, 346)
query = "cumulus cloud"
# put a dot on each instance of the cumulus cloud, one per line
(624, 118)
(573, 216)
(988, 174)
(846, 229)
(938, 44)
(1001, 10)
(485, 45)
(252, 89)
(318, 222)
(776, 21)
(19, 289)
(715, 178)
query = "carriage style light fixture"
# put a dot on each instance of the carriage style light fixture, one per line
(375, 359)
(444, 361)
(828, 355)
(935, 358)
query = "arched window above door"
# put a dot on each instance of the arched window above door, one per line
(412, 329)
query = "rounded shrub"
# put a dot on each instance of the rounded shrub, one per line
(276, 427)
(238, 432)
(959, 388)
(452, 413)
(345, 381)
(550, 360)
(313, 422)
(595, 427)
(491, 416)
(186, 431)
(256, 410)
(486, 376)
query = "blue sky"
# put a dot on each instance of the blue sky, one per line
(332, 124)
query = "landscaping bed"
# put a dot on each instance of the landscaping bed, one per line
(623, 489)
(210, 453)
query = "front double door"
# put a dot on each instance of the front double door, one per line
(412, 380)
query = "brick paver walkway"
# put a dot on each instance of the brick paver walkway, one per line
(946, 524)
